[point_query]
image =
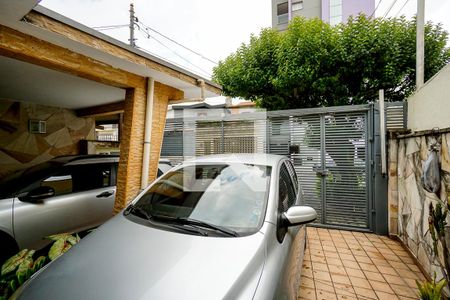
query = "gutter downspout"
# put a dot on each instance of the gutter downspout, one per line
(147, 132)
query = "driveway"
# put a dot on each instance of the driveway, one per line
(353, 265)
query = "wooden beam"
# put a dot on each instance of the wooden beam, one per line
(17, 45)
(101, 110)
(42, 21)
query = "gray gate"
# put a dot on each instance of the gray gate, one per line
(332, 150)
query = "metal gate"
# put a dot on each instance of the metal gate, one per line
(332, 150)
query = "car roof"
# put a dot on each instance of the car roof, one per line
(247, 158)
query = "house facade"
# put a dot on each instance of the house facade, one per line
(330, 11)
(61, 80)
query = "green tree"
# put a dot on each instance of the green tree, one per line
(314, 64)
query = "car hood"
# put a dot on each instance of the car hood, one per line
(127, 260)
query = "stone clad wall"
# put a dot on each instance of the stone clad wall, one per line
(19, 148)
(407, 196)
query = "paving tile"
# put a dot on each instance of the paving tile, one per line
(380, 262)
(323, 295)
(368, 267)
(347, 297)
(402, 290)
(326, 286)
(391, 279)
(355, 273)
(340, 279)
(392, 257)
(318, 258)
(321, 275)
(387, 270)
(344, 289)
(410, 282)
(307, 293)
(367, 293)
(348, 257)
(374, 276)
(381, 286)
(334, 261)
(385, 296)
(399, 265)
(307, 282)
(363, 259)
(360, 282)
(353, 265)
(329, 248)
(339, 270)
(344, 251)
(332, 254)
(317, 266)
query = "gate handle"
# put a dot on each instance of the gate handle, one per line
(323, 172)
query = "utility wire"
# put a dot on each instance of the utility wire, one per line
(168, 60)
(404, 4)
(147, 28)
(373, 13)
(147, 35)
(107, 27)
(390, 7)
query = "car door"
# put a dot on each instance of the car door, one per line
(83, 198)
(288, 237)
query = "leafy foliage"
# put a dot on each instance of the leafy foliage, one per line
(314, 64)
(17, 269)
(431, 290)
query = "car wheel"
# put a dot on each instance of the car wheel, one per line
(8, 248)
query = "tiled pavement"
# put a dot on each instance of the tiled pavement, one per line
(353, 265)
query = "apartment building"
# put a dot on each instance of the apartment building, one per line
(331, 11)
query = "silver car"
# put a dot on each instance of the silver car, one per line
(217, 227)
(65, 194)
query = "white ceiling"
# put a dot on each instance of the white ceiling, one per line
(31, 83)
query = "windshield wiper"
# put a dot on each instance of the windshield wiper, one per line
(139, 210)
(198, 223)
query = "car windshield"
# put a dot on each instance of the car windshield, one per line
(232, 196)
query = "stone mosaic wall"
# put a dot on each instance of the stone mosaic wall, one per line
(409, 202)
(19, 148)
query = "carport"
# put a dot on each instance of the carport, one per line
(63, 75)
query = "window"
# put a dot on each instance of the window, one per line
(78, 178)
(335, 12)
(232, 196)
(286, 198)
(297, 5)
(283, 13)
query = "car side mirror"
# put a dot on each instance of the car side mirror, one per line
(298, 215)
(37, 194)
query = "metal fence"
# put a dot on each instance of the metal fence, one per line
(332, 150)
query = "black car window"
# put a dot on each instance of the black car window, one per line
(77, 178)
(286, 198)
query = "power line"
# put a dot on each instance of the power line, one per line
(147, 28)
(147, 35)
(379, 2)
(107, 27)
(168, 60)
(390, 7)
(404, 4)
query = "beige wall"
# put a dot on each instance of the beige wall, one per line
(19, 148)
(429, 107)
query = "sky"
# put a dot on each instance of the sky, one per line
(212, 28)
